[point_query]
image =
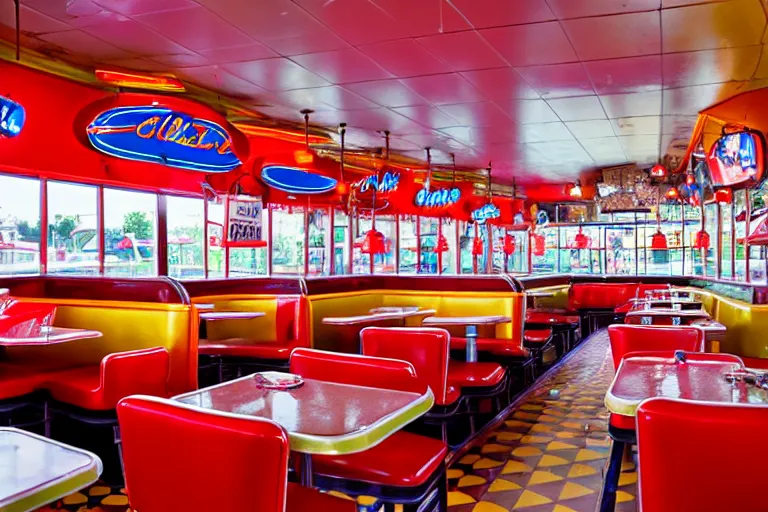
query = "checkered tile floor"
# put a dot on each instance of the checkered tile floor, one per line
(551, 452)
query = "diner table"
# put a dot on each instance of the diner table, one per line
(677, 315)
(713, 378)
(689, 375)
(46, 336)
(471, 324)
(664, 303)
(36, 471)
(379, 315)
(320, 417)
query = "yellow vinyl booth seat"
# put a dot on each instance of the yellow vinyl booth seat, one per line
(125, 324)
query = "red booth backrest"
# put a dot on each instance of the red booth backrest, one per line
(651, 338)
(20, 319)
(292, 319)
(135, 372)
(600, 295)
(232, 464)
(375, 372)
(427, 349)
(701, 457)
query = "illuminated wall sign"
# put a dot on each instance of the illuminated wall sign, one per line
(486, 212)
(12, 117)
(163, 136)
(388, 183)
(244, 221)
(437, 198)
(296, 181)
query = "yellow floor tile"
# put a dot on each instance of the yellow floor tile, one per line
(470, 480)
(454, 473)
(517, 423)
(548, 461)
(76, 499)
(459, 498)
(514, 466)
(500, 485)
(486, 464)
(574, 490)
(622, 496)
(578, 470)
(557, 445)
(543, 477)
(115, 500)
(486, 506)
(541, 429)
(587, 455)
(535, 439)
(628, 478)
(562, 508)
(99, 490)
(530, 499)
(526, 451)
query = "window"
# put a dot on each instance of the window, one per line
(185, 237)
(408, 244)
(740, 215)
(448, 230)
(19, 226)
(713, 254)
(319, 240)
(250, 261)
(73, 240)
(215, 234)
(385, 263)
(340, 242)
(287, 240)
(130, 233)
(726, 237)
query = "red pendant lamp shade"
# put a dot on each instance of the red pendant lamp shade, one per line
(659, 171)
(581, 241)
(477, 247)
(374, 243)
(510, 244)
(724, 195)
(702, 240)
(442, 244)
(538, 243)
(658, 241)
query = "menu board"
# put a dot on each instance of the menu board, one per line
(244, 216)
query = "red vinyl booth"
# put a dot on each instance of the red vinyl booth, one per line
(292, 320)
(695, 456)
(99, 388)
(180, 458)
(403, 460)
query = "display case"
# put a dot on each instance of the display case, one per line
(341, 242)
(409, 253)
(287, 239)
(318, 248)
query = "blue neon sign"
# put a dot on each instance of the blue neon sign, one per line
(163, 136)
(486, 212)
(388, 183)
(296, 181)
(12, 117)
(437, 198)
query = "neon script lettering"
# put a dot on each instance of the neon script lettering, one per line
(388, 183)
(486, 212)
(437, 198)
(12, 116)
(163, 136)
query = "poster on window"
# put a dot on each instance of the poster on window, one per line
(244, 215)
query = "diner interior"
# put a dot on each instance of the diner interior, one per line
(383, 255)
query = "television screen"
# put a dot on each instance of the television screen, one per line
(735, 159)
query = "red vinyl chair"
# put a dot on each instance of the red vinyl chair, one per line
(627, 338)
(405, 468)
(181, 458)
(427, 349)
(99, 388)
(693, 456)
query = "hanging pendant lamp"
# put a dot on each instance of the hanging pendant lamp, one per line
(375, 242)
(581, 241)
(510, 244)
